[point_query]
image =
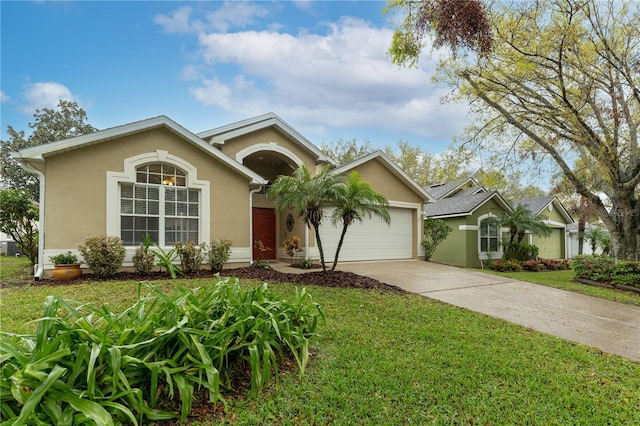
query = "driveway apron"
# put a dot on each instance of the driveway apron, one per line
(609, 326)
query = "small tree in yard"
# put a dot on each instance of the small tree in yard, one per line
(19, 219)
(309, 196)
(435, 232)
(355, 200)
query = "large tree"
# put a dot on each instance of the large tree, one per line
(562, 82)
(309, 196)
(50, 125)
(19, 220)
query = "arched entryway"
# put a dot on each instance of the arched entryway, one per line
(269, 161)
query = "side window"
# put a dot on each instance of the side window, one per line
(489, 236)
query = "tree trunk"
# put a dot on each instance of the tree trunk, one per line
(623, 223)
(581, 225)
(335, 261)
(317, 229)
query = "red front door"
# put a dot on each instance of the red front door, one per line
(264, 230)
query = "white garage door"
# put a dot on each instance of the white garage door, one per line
(372, 239)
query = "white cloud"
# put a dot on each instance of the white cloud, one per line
(343, 78)
(4, 97)
(45, 94)
(338, 77)
(177, 22)
(230, 14)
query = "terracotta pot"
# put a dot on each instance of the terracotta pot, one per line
(66, 272)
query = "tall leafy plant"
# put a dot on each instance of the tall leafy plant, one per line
(309, 195)
(90, 365)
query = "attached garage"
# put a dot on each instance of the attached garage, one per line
(372, 239)
(551, 247)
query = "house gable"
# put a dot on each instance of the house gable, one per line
(235, 137)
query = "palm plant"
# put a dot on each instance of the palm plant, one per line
(521, 220)
(309, 196)
(596, 236)
(356, 199)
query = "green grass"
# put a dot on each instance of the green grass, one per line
(14, 269)
(564, 280)
(405, 359)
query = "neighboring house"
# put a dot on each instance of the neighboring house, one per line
(471, 211)
(156, 177)
(573, 243)
(555, 246)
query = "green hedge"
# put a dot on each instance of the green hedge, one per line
(604, 269)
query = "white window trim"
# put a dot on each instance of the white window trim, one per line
(114, 179)
(270, 146)
(483, 255)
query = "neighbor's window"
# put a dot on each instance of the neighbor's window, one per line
(489, 236)
(159, 204)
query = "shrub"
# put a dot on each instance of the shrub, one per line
(89, 365)
(435, 232)
(143, 259)
(520, 252)
(104, 254)
(533, 265)
(506, 266)
(595, 268)
(306, 263)
(218, 254)
(191, 256)
(292, 247)
(626, 273)
(67, 258)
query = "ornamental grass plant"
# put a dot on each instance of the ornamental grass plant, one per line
(92, 365)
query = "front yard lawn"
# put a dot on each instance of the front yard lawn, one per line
(564, 281)
(398, 359)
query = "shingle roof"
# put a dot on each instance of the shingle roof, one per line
(536, 205)
(458, 206)
(440, 190)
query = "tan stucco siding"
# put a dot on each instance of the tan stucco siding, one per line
(77, 180)
(233, 146)
(386, 183)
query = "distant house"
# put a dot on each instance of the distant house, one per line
(573, 243)
(555, 246)
(471, 210)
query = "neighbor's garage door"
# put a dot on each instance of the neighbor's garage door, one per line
(372, 239)
(551, 247)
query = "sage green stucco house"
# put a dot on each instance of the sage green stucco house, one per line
(470, 210)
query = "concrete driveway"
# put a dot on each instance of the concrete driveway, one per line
(609, 326)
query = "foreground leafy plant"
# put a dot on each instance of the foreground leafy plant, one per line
(166, 259)
(90, 365)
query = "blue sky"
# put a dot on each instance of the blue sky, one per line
(320, 65)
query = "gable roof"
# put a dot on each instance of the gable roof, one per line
(41, 152)
(219, 135)
(443, 190)
(537, 206)
(462, 206)
(391, 166)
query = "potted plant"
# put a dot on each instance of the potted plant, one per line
(66, 266)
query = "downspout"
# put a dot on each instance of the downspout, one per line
(41, 234)
(251, 192)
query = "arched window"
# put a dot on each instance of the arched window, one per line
(159, 204)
